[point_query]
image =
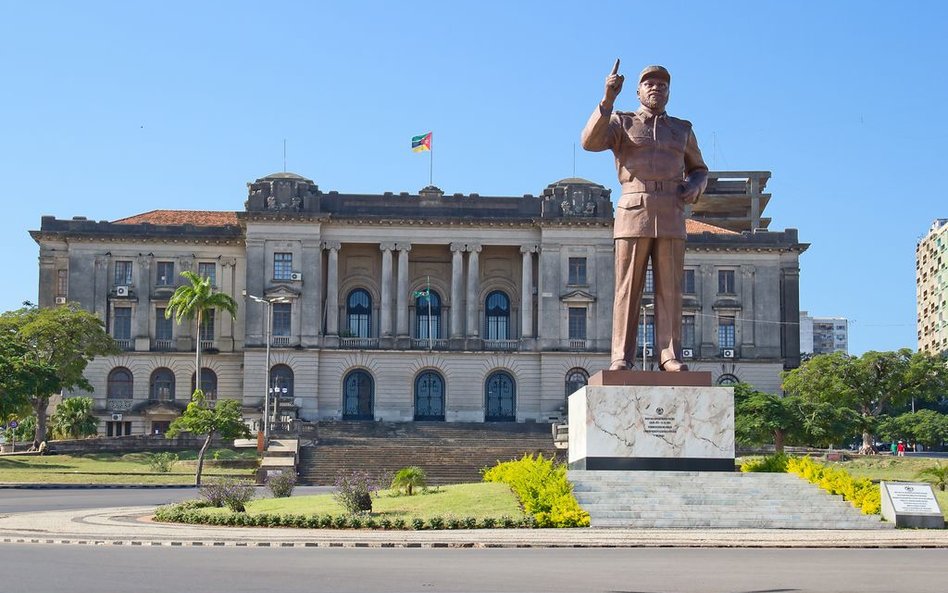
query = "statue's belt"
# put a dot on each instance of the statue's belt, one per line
(635, 186)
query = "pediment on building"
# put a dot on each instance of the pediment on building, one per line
(577, 296)
(727, 303)
(154, 409)
(281, 291)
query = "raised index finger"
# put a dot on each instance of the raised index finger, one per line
(615, 68)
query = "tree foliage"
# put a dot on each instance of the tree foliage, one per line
(870, 384)
(74, 419)
(56, 346)
(192, 301)
(761, 417)
(201, 417)
(927, 427)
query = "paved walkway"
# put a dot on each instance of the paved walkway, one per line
(132, 526)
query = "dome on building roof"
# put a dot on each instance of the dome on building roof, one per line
(574, 181)
(285, 175)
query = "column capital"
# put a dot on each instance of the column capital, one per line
(455, 247)
(748, 270)
(530, 248)
(144, 259)
(332, 245)
(403, 246)
(473, 247)
(386, 246)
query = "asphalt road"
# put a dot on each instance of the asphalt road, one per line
(20, 500)
(81, 569)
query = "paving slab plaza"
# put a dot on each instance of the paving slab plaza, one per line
(132, 526)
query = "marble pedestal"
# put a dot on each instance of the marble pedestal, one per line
(624, 423)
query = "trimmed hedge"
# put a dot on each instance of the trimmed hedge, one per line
(774, 464)
(543, 490)
(861, 492)
(191, 512)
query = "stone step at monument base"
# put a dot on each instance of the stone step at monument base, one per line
(681, 500)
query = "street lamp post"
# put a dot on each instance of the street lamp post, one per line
(645, 335)
(267, 308)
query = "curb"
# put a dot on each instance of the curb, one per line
(66, 486)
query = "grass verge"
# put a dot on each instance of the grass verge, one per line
(889, 468)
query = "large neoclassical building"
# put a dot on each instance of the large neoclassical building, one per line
(407, 307)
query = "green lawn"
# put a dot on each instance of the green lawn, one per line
(477, 500)
(111, 468)
(889, 468)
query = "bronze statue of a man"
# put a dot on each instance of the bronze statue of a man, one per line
(660, 169)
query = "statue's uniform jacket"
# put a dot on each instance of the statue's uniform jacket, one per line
(655, 155)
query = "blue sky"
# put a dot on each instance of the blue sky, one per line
(111, 109)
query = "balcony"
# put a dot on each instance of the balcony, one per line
(577, 345)
(125, 343)
(281, 342)
(425, 344)
(505, 345)
(207, 344)
(359, 343)
(163, 345)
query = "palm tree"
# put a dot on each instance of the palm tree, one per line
(193, 301)
(937, 475)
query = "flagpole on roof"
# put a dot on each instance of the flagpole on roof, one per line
(431, 162)
(428, 290)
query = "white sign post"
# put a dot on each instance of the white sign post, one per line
(911, 504)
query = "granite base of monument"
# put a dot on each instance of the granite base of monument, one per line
(634, 420)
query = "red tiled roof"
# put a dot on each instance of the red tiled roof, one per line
(697, 227)
(195, 217)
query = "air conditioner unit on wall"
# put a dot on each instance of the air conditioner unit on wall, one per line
(121, 291)
(728, 353)
(60, 300)
(296, 276)
(116, 417)
(687, 353)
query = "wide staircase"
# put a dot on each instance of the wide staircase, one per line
(645, 499)
(450, 453)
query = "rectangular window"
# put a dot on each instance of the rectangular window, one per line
(123, 273)
(646, 338)
(726, 282)
(577, 271)
(726, 335)
(281, 319)
(163, 326)
(282, 266)
(649, 281)
(577, 323)
(122, 323)
(165, 273)
(207, 326)
(62, 283)
(687, 331)
(208, 270)
(688, 282)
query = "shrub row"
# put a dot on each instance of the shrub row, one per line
(774, 464)
(190, 512)
(543, 490)
(861, 492)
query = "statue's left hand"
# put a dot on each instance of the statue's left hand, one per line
(688, 192)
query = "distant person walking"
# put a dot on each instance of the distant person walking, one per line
(894, 448)
(901, 449)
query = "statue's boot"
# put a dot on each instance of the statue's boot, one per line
(673, 366)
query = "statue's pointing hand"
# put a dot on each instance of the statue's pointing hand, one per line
(613, 86)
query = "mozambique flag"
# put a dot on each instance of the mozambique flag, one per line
(418, 294)
(421, 143)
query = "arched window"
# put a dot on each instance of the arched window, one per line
(498, 316)
(119, 384)
(359, 314)
(728, 379)
(429, 396)
(427, 315)
(500, 394)
(357, 397)
(208, 383)
(281, 379)
(576, 379)
(161, 385)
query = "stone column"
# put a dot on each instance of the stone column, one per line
(457, 280)
(332, 288)
(227, 283)
(526, 291)
(473, 290)
(102, 283)
(385, 307)
(401, 298)
(310, 309)
(254, 314)
(143, 308)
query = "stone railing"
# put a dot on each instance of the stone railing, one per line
(281, 341)
(360, 343)
(163, 345)
(506, 345)
(425, 344)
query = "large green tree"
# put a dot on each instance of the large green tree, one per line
(928, 427)
(20, 376)
(192, 301)
(59, 342)
(201, 417)
(869, 384)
